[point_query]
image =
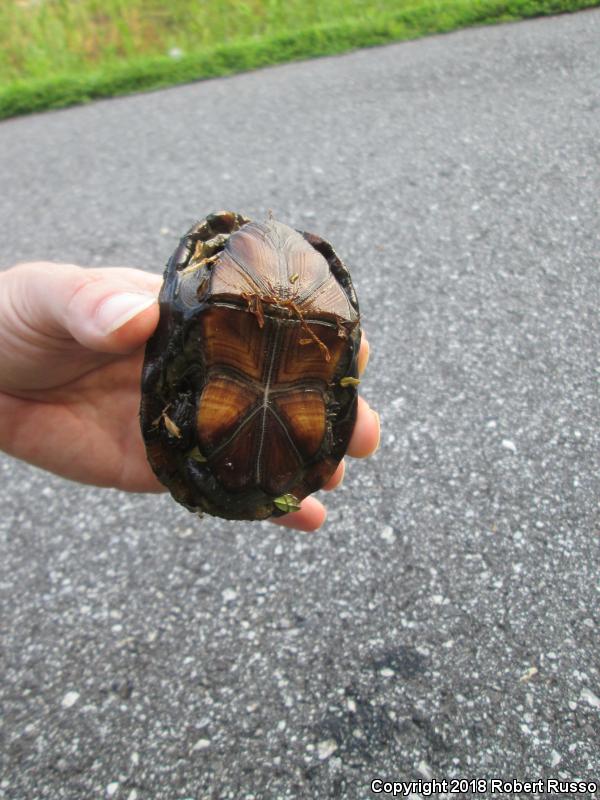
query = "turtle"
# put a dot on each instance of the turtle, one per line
(249, 383)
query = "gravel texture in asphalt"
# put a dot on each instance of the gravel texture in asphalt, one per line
(445, 621)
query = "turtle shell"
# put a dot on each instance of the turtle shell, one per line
(249, 382)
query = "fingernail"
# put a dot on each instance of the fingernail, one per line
(364, 360)
(378, 418)
(320, 525)
(343, 473)
(118, 309)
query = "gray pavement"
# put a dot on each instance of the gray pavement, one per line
(445, 622)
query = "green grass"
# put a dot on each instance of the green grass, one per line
(55, 53)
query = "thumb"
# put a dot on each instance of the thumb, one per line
(111, 310)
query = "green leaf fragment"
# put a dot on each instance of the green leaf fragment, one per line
(196, 455)
(287, 503)
(349, 381)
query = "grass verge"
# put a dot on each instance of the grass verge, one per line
(146, 73)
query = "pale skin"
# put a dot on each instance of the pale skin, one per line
(71, 350)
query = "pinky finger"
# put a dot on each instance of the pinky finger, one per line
(311, 516)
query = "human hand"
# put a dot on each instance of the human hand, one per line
(71, 351)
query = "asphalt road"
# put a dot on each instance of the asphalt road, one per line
(445, 622)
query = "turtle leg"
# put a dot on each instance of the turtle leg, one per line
(207, 238)
(225, 222)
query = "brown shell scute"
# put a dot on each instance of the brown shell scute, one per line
(242, 400)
